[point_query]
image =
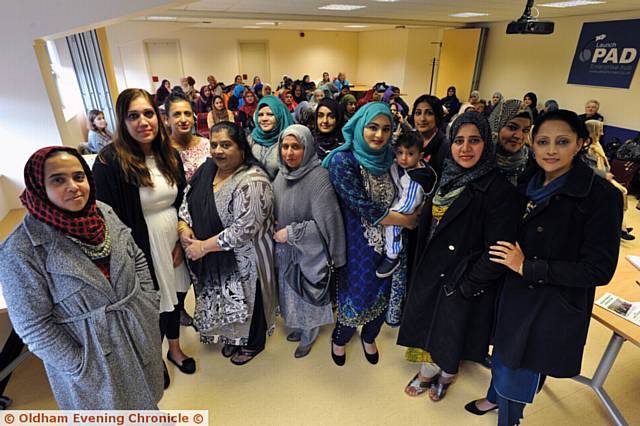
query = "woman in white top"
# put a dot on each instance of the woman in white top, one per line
(141, 177)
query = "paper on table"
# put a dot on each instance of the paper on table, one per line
(627, 310)
(634, 260)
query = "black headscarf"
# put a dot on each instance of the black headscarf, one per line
(453, 175)
(325, 142)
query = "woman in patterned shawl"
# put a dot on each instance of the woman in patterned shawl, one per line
(359, 171)
(226, 233)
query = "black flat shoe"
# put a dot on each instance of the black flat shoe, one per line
(165, 374)
(188, 364)
(339, 360)
(294, 336)
(372, 358)
(229, 350)
(473, 408)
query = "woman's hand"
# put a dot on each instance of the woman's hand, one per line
(282, 236)
(178, 258)
(508, 255)
(412, 219)
(195, 249)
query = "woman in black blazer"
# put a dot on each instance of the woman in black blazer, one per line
(568, 245)
(142, 178)
(450, 302)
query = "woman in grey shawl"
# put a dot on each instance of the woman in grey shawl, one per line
(308, 217)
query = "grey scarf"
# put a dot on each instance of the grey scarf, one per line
(310, 159)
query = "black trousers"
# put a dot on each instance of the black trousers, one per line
(170, 321)
(11, 350)
(258, 328)
(343, 333)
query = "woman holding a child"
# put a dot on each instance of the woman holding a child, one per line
(359, 172)
(448, 314)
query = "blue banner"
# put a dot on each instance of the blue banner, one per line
(607, 54)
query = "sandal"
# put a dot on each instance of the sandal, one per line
(243, 352)
(439, 389)
(229, 350)
(420, 386)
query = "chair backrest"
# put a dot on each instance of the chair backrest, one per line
(201, 126)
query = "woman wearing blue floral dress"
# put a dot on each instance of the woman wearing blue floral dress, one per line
(359, 171)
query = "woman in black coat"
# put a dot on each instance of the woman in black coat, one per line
(450, 304)
(568, 245)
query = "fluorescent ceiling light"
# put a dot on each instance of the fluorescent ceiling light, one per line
(572, 3)
(328, 29)
(356, 26)
(387, 1)
(251, 26)
(468, 14)
(265, 23)
(343, 7)
(161, 18)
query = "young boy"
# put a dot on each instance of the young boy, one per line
(414, 179)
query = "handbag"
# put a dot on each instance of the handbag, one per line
(318, 293)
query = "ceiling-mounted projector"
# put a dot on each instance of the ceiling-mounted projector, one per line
(527, 24)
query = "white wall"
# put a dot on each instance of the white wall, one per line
(216, 51)
(516, 64)
(26, 119)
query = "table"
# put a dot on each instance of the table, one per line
(624, 285)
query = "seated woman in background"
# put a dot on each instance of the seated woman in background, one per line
(531, 100)
(568, 244)
(236, 99)
(79, 292)
(341, 81)
(348, 104)
(226, 222)
(451, 103)
(359, 171)
(99, 134)
(248, 109)
(510, 125)
(219, 112)
(591, 109)
(310, 235)
(287, 99)
(141, 177)
(449, 308)
(598, 161)
(496, 100)
(162, 92)
(328, 127)
(204, 104)
(271, 118)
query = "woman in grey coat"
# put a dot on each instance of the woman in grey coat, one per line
(309, 219)
(79, 292)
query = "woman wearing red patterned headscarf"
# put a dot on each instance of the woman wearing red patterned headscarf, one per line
(79, 292)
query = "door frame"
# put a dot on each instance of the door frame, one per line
(147, 61)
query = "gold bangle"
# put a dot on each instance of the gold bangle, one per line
(521, 270)
(182, 226)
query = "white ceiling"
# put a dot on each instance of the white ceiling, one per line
(304, 14)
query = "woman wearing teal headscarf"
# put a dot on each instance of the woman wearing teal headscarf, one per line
(271, 118)
(359, 172)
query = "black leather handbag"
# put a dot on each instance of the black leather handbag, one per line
(317, 294)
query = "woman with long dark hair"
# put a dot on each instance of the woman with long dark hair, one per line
(141, 177)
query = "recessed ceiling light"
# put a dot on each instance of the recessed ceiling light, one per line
(161, 18)
(572, 3)
(251, 26)
(468, 14)
(265, 23)
(343, 7)
(356, 26)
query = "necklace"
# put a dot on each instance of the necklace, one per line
(217, 181)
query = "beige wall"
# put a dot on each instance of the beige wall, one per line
(516, 64)
(382, 56)
(216, 51)
(420, 52)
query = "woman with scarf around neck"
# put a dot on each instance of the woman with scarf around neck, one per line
(142, 178)
(271, 118)
(236, 100)
(79, 292)
(510, 126)
(287, 98)
(219, 112)
(308, 217)
(496, 100)
(328, 127)
(359, 171)
(452, 292)
(531, 100)
(567, 245)
(226, 221)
